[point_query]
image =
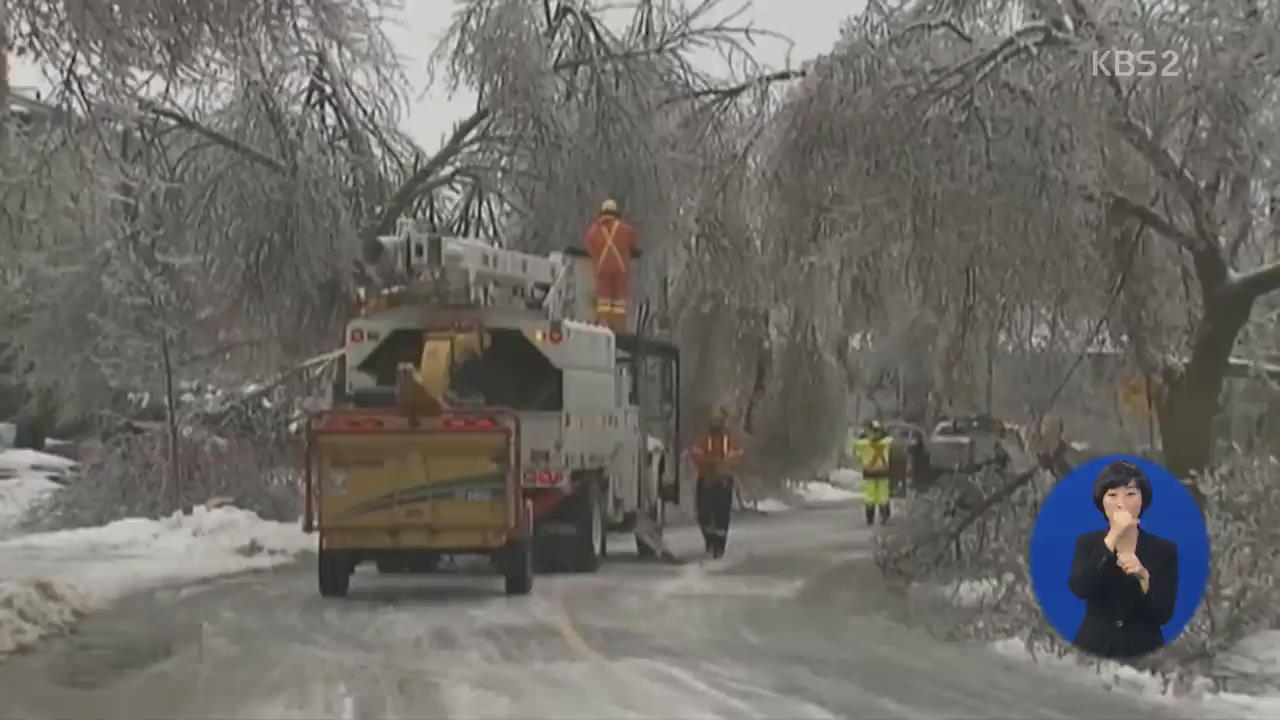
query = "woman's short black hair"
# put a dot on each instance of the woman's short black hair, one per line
(1120, 474)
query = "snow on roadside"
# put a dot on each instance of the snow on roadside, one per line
(19, 494)
(822, 491)
(23, 460)
(50, 579)
(1257, 656)
(26, 478)
(1121, 678)
(845, 478)
(772, 505)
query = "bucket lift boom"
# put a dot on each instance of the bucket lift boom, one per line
(464, 271)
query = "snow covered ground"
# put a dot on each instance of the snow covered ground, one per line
(1263, 650)
(26, 477)
(772, 505)
(50, 579)
(1257, 656)
(840, 486)
(810, 492)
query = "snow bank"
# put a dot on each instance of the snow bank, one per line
(1263, 648)
(17, 461)
(19, 494)
(845, 477)
(771, 505)
(26, 478)
(824, 492)
(52, 577)
(29, 611)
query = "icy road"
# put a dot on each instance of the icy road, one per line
(792, 623)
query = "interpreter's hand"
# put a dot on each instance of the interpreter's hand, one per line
(1123, 523)
(1131, 565)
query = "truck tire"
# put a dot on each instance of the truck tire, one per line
(590, 542)
(334, 572)
(517, 567)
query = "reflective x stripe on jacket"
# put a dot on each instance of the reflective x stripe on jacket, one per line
(608, 232)
(873, 455)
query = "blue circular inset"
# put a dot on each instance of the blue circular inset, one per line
(1069, 512)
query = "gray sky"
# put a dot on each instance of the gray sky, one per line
(814, 26)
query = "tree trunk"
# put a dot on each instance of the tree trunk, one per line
(764, 361)
(1190, 405)
(4, 56)
(171, 423)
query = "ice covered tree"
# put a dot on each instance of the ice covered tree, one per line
(989, 166)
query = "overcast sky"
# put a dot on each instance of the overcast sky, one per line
(813, 25)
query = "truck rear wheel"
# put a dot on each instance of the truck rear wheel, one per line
(517, 567)
(590, 542)
(334, 572)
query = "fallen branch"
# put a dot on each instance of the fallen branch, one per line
(280, 378)
(943, 538)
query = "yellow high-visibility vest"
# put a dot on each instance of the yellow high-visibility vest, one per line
(873, 454)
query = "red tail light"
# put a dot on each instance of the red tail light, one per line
(555, 336)
(357, 335)
(543, 478)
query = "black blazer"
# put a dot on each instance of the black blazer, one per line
(1120, 620)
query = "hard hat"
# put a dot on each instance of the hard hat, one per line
(875, 426)
(609, 207)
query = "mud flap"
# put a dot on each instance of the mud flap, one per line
(648, 534)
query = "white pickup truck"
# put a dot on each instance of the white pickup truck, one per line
(958, 444)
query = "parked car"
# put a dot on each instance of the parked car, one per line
(966, 442)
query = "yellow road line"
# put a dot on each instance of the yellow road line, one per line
(573, 638)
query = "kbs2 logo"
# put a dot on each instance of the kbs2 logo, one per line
(1140, 63)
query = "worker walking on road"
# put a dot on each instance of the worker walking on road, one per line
(872, 449)
(611, 243)
(714, 456)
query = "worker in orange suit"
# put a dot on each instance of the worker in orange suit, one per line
(715, 456)
(611, 243)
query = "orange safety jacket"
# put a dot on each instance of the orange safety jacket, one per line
(610, 243)
(716, 450)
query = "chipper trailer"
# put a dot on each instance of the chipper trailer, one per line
(475, 411)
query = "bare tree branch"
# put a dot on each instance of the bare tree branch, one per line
(1143, 213)
(208, 133)
(417, 183)
(1257, 282)
(732, 92)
